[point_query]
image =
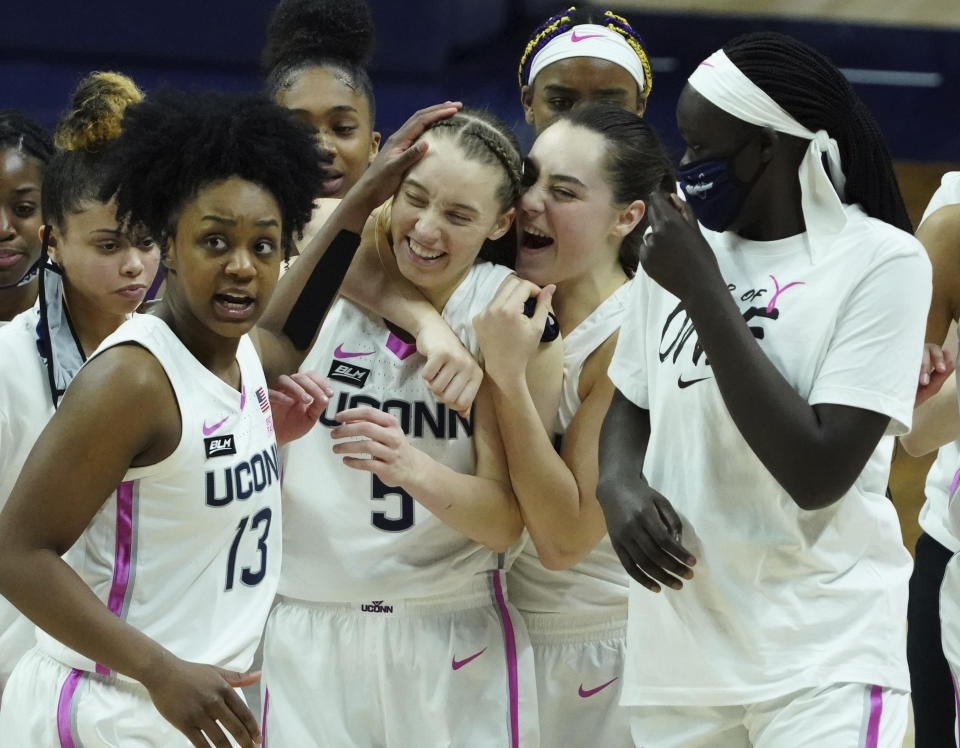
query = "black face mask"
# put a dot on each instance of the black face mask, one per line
(713, 192)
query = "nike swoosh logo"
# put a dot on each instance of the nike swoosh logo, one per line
(592, 691)
(684, 383)
(574, 38)
(207, 430)
(457, 664)
(340, 353)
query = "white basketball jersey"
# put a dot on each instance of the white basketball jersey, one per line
(347, 536)
(188, 550)
(599, 580)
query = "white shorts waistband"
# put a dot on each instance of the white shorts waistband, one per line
(561, 628)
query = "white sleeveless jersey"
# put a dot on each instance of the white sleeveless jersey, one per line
(942, 479)
(347, 536)
(599, 580)
(188, 550)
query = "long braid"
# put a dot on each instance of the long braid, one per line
(812, 90)
(573, 16)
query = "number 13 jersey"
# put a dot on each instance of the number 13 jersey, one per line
(188, 550)
(347, 536)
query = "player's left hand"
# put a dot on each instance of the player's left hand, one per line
(387, 453)
(935, 367)
(297, 402)
(674, 252)
(508, 338)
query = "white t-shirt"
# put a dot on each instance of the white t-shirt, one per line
(188, 550)
(940, 485)
(25, 408)
(347, 536)
(598, 582)
(782, 598)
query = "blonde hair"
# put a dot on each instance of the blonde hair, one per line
(96, 111)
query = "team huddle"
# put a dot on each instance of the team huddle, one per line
(309, 439)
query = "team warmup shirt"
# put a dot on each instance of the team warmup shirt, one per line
(348, 537)
(599, 580)
(188, 550)
(945, 472)
(25, 408)
(782, 598)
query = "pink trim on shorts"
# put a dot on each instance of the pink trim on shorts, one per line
(263, 724)
(873, 723)
(64, 707)
(121, 559)
(510, 644)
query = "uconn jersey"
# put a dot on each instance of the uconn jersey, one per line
(188, 550)
(347, 536)
(598, 581)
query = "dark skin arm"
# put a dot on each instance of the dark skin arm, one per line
(644, 529)
(121, 402)
(815, 452)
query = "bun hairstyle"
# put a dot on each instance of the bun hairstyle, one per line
(84, 139)
(174, 144)
(320, 33)
(635, 163)
(21, 133)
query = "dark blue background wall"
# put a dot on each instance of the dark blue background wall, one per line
(468, 49)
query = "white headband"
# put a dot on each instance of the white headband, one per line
(720, 82)
(589, 40)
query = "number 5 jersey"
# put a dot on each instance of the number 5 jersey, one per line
(188, 550)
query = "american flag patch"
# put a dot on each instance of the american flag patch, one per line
(263, 400)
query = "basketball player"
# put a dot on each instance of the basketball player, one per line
(766, 352)
(171, 564)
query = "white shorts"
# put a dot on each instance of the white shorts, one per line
(456, 671)
(950, 623)
(49, 705)
(17, 637)
(579, 664)
(841, 715)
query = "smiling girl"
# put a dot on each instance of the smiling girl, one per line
(393, 569)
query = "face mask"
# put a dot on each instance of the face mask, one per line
(28, 276)
(713, 192)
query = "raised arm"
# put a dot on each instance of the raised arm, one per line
(290, 323)
(814, 451)
(557, 492)
(122, 402)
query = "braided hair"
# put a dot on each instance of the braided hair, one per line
(815, 93)
(320, 33)
(21, 133)
(574, 16)
(84, 138)
(485, 138)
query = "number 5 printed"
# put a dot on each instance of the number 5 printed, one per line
(247, 575)
(380, 520)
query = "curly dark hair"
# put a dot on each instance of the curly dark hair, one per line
(320, 33)
(174, 143)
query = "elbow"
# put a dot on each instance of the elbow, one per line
(913, 446)
(506, 537)
(559, 560)
(819, 496)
